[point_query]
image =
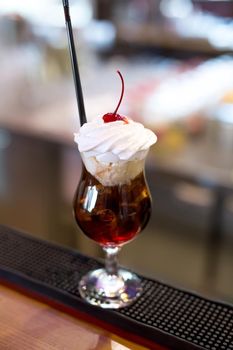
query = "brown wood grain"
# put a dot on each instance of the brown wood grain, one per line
(26, 324)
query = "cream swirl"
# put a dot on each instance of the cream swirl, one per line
(114, 141)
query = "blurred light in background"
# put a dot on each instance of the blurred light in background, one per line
(49, 12)
(100, 35)
(176, 8)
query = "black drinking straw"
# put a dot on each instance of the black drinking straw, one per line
(74, 63)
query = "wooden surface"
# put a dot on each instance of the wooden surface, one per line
(28, 324)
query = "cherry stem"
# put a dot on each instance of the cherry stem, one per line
(122, 92)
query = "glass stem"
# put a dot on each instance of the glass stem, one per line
(111, 260)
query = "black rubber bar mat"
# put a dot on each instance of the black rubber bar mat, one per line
(164, 315)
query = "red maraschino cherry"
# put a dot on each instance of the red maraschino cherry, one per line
(113, 117)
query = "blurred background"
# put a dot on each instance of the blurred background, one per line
(177, 60)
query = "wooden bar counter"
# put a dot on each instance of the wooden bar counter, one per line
(28, 324)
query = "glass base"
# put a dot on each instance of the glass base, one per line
(110, 291)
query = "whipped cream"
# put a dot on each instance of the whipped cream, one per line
(114, 152)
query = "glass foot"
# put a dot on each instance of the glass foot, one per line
(110, 291)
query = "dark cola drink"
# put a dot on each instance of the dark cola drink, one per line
(112, 215)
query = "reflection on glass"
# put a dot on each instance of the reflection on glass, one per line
(111, 216)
